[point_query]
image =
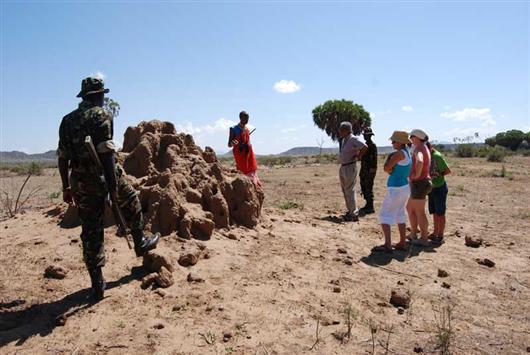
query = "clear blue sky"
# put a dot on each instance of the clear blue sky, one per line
(450, 68)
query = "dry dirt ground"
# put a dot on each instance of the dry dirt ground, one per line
(290, 285)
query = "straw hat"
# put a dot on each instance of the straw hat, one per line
(400, 137)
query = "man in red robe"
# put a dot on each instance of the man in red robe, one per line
(239, 141)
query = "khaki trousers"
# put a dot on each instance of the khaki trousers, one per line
(348, 177)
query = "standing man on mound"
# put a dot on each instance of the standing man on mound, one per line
(368, 171)
(84, 187)
(239, 140)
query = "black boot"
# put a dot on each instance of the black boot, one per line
(368, 208)
(98, 283)
(143, 243)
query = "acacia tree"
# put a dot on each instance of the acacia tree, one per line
(331, 113)
(112, 106)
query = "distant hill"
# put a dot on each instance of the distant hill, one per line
(307, 151)
(17, 157)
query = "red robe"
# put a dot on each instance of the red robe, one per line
(243, 152)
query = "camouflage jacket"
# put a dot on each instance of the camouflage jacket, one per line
(87, 119)
(369, 159)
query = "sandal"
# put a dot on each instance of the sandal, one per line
(382, 249)
(401, 247)
(412, 236)
(438, 240)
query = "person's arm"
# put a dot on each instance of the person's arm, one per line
(362, 152)
(392, 161)
(63, 164)
(106, 149)
(418, 169)
(444, 167)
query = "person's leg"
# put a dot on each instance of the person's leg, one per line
(91, 208)
(431, 207)
(443, 208)
(413, 220)
(387, 233)
(423, 222)
(132, 212)
(343, 186)
(402, 235)
(353, 179)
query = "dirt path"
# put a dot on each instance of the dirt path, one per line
(265, 292)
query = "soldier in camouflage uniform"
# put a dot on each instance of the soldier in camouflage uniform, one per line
(368, 171)
(86, 189)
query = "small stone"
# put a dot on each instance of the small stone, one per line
(161, 293)
(336, 289)
(194, 278)
(148, 280)
(221, 308)
(164, 278)
(159, 326)
(473, 242)
(401, 310)
(61, 320)
(401, 283)
(227, 336)
(442, 273)
(341, 251)
(348, 262)
(232, 236)
(400, 298)
(55, 272)
(177, 308)
(153, 261)
(446, 285)
(418, 349)
(188, 259)
(486, 262)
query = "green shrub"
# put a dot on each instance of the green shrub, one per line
(287, 205)
(274, 160)
(496, 154)
(465, 151)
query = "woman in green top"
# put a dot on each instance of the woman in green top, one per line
(438, 195)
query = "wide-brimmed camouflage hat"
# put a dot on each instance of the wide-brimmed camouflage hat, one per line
(368, 131)
(92, 86)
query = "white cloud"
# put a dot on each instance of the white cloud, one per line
(286, 86)
(407, 108)
(213, 134)
(293, 129)
(99, 75)
(221, 125)
(471, 114)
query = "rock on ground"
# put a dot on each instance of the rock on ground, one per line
(55, 272)
(154, 260)
(400, 298)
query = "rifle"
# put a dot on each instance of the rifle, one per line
(113, 201)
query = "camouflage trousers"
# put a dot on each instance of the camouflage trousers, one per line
(367, 184)
(90, 198)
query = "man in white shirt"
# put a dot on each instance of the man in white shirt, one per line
(351, 150)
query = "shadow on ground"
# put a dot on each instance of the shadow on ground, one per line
(42, 318)
(380, 258)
